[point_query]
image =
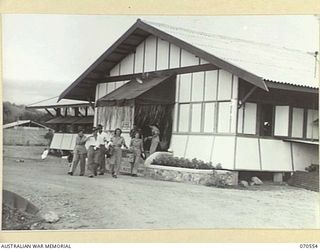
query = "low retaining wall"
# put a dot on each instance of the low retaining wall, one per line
(194, 176)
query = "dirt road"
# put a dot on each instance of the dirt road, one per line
(139, 203)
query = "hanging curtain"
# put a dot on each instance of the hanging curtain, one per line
(158, 114)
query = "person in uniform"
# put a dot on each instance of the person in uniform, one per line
(103, 138)
(136, 146)
(117, 141)
(79, 153)
(93, 153)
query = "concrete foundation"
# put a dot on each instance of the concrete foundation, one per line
(278, 177)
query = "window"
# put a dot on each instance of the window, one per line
(281, 123)
(198, 110)
(224, 117)
(184, 114)
(196, 117)
(185, 88)
(266, 120)
(312, 124)
(297, 122)
(209, 117)
(250, 118)
(247, 118)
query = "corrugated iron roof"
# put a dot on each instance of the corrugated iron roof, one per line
(71, 120)
(272, 63)
(22, 122)
(63, 120)
(53, 103)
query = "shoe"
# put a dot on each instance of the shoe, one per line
(134, 175)
(101, 173)
(114, 176)
(91, 176)
(70, 173)
(81, 174)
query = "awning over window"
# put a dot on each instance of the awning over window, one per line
(302, 141)
(152, 90)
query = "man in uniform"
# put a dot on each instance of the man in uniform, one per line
(103, 139)
(93, 153)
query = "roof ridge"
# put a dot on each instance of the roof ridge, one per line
(212, 35)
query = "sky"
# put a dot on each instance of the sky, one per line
(44, 54)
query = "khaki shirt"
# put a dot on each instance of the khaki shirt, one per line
(80, 145)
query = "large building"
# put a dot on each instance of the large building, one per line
(248, 106)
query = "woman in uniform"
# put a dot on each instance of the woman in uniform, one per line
(117, 141)
(136, 146)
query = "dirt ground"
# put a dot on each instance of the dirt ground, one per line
(139, 203)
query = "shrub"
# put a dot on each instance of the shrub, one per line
(166, 160)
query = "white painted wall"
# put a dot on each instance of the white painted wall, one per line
(225, 85)
(154, 54)
(223, 151)
(178, 144)
(247, 154)
(197, 91)
(150, 54)
(211, 85)
(188, 59)
(218, 149)
(126, 65)
(162, 55)
(304, 155)
(275, 155)
(139, 58)
(199, 147)
(185, 88)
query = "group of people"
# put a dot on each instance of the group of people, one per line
(101, 145)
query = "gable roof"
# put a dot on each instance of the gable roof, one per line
(253, 62)
(23, 122)
(53, 103)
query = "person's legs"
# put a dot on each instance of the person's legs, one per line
(112, 163)
(82, 164)
(118, 155)
(96, 161)
(102, 160)
(90, 163)
(74, 163)
(135, 165)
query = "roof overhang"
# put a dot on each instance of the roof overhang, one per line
(286, 86)
(302, 141)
